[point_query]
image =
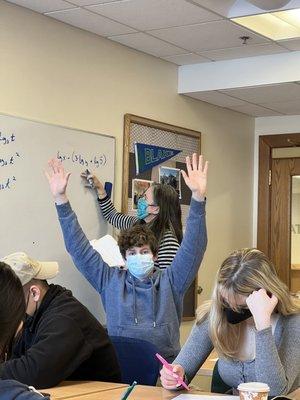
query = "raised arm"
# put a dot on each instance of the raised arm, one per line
(111, 215)
(191, 251)
(87, 260)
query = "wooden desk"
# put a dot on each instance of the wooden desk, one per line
(70, 389)
(138, 393)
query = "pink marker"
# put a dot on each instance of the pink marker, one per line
(170, 368)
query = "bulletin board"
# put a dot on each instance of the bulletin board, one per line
(146, 131)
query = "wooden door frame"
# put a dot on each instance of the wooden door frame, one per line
(266, 144)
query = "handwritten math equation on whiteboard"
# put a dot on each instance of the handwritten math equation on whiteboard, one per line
(77, 158)
(5, 162)
(12, 157)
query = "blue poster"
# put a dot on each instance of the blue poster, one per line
(148, 155)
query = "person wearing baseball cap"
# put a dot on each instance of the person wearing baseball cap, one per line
(61, 340)
(27, 269)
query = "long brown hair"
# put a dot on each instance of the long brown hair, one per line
(241, 273)
(12, 308)
(169, 216)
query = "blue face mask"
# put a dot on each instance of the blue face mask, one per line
(142, 208)
(140, 265)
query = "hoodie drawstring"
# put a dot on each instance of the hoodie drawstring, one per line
(134, 303)
(154, 303)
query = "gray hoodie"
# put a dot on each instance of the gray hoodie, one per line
(151, 309)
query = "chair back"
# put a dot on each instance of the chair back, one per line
(137, 360)
(217, 384)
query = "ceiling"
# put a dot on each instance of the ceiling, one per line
(259, 101)
(183, 32)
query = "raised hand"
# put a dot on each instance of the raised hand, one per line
(261, 307)
(169, 378)
(97, 184)
(58, 180)
(196, 176)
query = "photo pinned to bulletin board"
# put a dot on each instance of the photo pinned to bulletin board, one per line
(139, 187)
(155, 152)
(170, 176)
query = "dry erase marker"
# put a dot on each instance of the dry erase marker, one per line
(90, 180)
(170, 368)
(108, 188)
(128, 391)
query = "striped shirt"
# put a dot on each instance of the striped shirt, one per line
(168, 245)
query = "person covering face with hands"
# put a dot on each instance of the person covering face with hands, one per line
(254, 324)
(142, 302)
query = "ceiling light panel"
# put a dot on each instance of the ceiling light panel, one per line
(276, 26)
(292, 17)
(243, 8)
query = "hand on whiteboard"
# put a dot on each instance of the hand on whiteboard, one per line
(96, 183)
(58, 180)
(169, 379)
(196, 176)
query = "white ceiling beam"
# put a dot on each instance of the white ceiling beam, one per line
(238, 73)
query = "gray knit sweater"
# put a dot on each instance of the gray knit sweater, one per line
(277, 360)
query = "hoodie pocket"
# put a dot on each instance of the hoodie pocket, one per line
(164, 336)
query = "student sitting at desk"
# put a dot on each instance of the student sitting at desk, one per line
(142, 302)
(253, 323)
(12, 314)
(61, 340)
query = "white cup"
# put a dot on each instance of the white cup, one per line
(253, 391)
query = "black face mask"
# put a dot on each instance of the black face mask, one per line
(234, 317)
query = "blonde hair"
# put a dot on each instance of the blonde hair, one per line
(241, 273)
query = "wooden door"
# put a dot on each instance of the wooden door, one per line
(280, 216)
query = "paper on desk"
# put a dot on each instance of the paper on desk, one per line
(204, 397)
(108, 247)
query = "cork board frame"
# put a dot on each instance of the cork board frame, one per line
(160, 134)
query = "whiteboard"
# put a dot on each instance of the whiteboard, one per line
(28, 216)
